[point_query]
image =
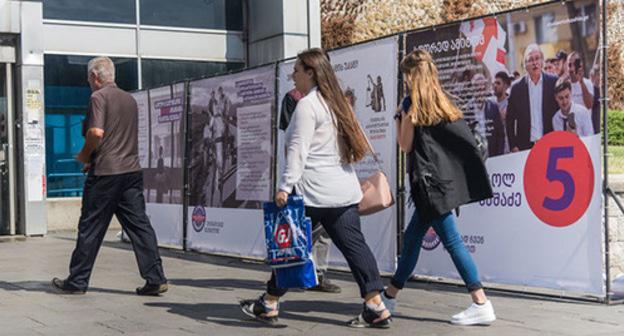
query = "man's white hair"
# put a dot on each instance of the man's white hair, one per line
(478, 77)
(103, 68)
(531, 48)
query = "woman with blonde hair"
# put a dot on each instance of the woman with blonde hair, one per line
(445, 171)
(323, 142)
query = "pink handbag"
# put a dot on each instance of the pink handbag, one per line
(376, 191)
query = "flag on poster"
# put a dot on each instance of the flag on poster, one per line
(488, 45)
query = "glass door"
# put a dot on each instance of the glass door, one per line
(5, 107)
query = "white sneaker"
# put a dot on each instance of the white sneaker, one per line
(475, 314)
(388, 302)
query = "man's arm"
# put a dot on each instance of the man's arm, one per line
(588, 97)
(92, 141)
(94, 128)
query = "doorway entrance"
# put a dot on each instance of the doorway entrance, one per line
(7, 225)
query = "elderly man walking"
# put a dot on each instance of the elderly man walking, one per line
(114, 185)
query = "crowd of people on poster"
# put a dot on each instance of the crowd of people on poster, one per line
(515, 90)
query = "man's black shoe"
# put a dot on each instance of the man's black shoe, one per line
(63, 287)
(152, 289)
(325, 286)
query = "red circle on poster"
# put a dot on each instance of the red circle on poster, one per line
(559, 179)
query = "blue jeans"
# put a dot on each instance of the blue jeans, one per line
(446, 229)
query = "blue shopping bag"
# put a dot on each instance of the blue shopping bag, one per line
(298, 276)
(288, 233)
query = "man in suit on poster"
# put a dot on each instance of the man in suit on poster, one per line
(531, 104)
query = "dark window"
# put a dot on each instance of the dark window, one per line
(158, 72)
(207, 14)
(545, 32)
(115, 11)
(589, 26)
(66, 97)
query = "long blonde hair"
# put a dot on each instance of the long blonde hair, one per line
(354, 146)
(430, 103)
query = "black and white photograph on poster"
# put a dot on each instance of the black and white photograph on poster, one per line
(288, 98)
(163, 174)
(222, 144)
(142, 100)
(488, 64)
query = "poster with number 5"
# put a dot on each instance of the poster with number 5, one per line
(543, 227)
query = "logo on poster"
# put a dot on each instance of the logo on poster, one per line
(198, 218)
(431, 240)
(283, 235)
(170, 109)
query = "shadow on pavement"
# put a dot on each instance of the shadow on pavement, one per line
(420, 319)
(46, 287)
(255, 265)
(231, 314)
(220, 284)
(220, 313)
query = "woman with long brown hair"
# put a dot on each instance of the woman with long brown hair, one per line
(445, 171)
(323, 142)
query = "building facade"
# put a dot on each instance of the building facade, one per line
(44, 50)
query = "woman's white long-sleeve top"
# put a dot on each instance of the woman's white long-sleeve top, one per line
(313, 163)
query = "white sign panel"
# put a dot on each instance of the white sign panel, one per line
(231, 155)
(368, 76)
(253, 144)
(510, 244)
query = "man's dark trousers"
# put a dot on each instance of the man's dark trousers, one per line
(121, 195)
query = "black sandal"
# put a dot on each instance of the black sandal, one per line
(257, 309)
(371, 319)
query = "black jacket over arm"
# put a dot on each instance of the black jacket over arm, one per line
(445, 169)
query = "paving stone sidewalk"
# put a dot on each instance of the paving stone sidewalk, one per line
(205, 290)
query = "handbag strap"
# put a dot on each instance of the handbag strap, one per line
(368, 143)
(371, 149)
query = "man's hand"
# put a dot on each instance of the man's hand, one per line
(577, 75)
(86, 168)
(82, 157)
(281, 198)
(515, 149)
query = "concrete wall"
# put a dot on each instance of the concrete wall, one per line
(280, 29)
(63, 214)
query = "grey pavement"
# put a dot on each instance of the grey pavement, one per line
(204, 291)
